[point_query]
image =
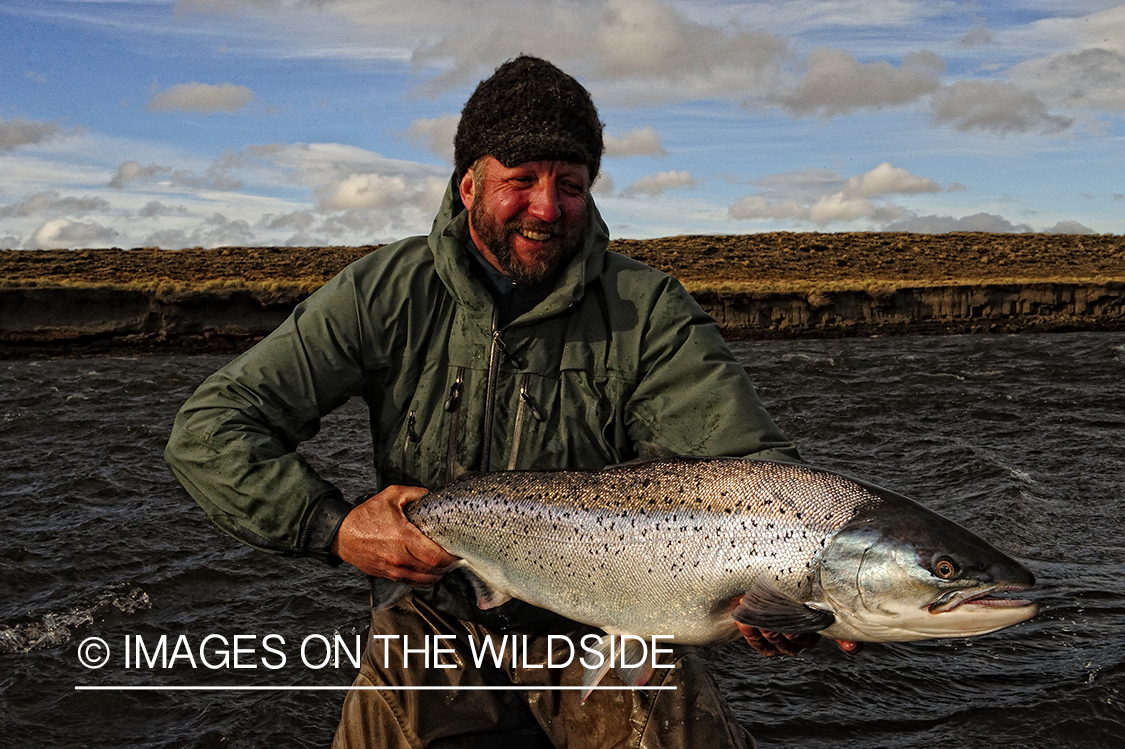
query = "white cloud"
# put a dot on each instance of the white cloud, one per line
(17, 132)
(1069, 227)
(641, 142)
(641, 52)
(360, 195)
(603, 185)
(759, 207)
(50, 202)
(821, 197)
(827, 209)
(216, 231)
(655, 184)
(201, 97)
(634, 51)
(1105, 28)
(648, 38)
(309, 194)
(155, 208)
(218, 176)
(888, 180)
(981, 222)
(346, 177)
(1092, 78)
(131, 171)
(364, 191)
(980, 36)
(998, 106)
(61, 233)
(836, 83)
(435, 135)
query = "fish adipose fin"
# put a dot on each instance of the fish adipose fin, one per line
(627, 654)
(487, 596)
(765, 607)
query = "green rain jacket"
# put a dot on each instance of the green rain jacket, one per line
(616, 363)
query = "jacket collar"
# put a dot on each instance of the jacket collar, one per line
(447, 242)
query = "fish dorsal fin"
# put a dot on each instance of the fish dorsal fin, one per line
(765, 607)
(488, 597)
(386, 593)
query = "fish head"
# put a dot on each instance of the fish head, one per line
(898, 571)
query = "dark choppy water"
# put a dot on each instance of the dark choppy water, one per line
(1021, 438)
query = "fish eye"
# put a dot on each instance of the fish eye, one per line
(946, 568)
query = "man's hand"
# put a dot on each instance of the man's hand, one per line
(376, 538)
(770, 644)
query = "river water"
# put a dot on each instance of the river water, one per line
(1021, 438)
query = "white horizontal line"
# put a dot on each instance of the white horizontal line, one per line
(473, 688)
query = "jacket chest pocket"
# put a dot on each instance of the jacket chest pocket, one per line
(562, 422)
(423, 451)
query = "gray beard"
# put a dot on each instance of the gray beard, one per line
(497, 238)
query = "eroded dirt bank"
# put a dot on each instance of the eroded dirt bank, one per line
(756, 286)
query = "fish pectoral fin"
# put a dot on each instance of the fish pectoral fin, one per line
(488, 597)
(592, 675)
(765, 607)
(626, 654)
(634, 664)
(386, 593)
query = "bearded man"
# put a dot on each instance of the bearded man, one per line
(508, 338)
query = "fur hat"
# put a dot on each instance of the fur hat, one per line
(529, 110)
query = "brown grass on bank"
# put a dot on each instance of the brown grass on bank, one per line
(768, 262)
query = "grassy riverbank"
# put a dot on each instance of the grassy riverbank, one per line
(756, 286)
(775, 261)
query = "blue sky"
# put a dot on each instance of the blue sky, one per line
(270, 122)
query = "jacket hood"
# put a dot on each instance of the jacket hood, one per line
(451, 230)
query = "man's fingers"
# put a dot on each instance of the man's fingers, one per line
(407, 494)
(377, 538)
(772, 644)
(428, 554)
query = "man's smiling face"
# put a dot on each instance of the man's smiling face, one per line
(529, 219)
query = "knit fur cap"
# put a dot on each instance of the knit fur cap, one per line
(529, 110)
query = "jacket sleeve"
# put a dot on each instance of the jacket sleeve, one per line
(693, 397)
(233, 444)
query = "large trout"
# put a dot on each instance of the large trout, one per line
(688, 547)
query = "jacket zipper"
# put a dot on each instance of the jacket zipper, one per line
(527, 403)
(490, 393)
(411, 436)
(453, 407)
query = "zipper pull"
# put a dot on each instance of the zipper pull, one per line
(454, 399)
(498, 340)
(526, 398)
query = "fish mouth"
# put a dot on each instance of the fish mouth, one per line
(987, 598)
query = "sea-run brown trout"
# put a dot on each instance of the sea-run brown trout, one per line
(687, 547)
